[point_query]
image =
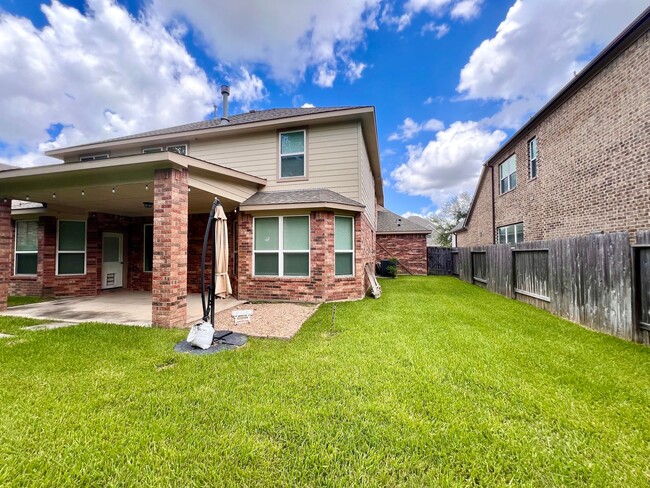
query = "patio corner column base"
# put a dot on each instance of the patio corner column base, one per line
(5, 251)
(169, 284)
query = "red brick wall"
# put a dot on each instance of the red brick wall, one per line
(593, 171)
(5, 251)
(169, 300)
(321, 285)
(409, 249)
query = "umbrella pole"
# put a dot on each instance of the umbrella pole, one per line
(213, 279)
(208, 308)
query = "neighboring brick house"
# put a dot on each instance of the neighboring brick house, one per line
(581, 164)
(402, 239)
(432, 237)
(299, 186)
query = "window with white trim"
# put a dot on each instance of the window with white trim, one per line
(508, 174)
(344, 246)
(292, 154)
(281, 246)
(148, 248)
(178, 148)
(532, 158)
(93, 157)
(26, 247)
(510, 234)
(71, 247)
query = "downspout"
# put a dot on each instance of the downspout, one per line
(494, 219)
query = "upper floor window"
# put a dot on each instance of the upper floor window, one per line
(26, 252)
(510, 234)
(532, 157)
(281, 246)
(508, 174)
(177, 148)
(71, 248)
(93, 157)
(292, 154)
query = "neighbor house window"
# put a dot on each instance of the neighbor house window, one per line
(148, 248)
(178, 148)
(532, 157)
(292, 154)
(343, 246)
(26, 253)
(93, 157)
(508, 174)
(71, 248)
(281, 246)
(510, 234)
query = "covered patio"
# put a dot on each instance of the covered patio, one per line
(113, 307)
(131, 223)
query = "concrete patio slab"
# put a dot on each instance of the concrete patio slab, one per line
(114, 307)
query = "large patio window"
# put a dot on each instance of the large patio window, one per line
(343, 246)
(71, 248)
(148, 248)
(281, 246)
(26, 252)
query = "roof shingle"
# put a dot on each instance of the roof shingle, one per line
(289, 197)
(390, 223)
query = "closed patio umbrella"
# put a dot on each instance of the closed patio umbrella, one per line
(222, 286)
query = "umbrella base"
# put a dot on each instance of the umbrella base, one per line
(224, 340)
(230, 338)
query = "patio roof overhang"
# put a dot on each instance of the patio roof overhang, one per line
(121, 185)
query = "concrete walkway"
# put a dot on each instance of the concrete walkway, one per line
(114, 307)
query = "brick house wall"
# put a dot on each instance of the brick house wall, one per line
(409, 249)
(322, 285)
(593, 168)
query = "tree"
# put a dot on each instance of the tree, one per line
(448, 216)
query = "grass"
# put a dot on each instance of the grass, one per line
(14, 301)
(436, 383)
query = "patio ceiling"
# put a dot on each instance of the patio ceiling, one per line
(122, 185)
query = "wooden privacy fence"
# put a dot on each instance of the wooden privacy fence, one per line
(439, 260)
(600, 281)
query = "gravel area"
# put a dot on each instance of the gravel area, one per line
(277, 320)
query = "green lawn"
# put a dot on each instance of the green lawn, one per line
(437, 383)
(15, 301)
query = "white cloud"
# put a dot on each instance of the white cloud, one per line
(400, 22)
(73, 72)
(433, 7)
(466, 9)
(355, 71)
(540, 44)
(410, 128)
(307, 105)
(448, 164)
(325, 76)
(247, 89)
(439, 30)
(288, 38)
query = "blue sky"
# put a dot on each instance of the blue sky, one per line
(450, 79)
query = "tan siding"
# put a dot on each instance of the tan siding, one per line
(366, 181)
(332, 158)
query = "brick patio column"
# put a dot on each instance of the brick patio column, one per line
(169, 284)
(5, 251)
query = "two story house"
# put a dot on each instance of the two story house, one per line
(581, 164)
(300, 188)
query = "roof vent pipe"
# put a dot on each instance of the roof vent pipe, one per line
(225, 92)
